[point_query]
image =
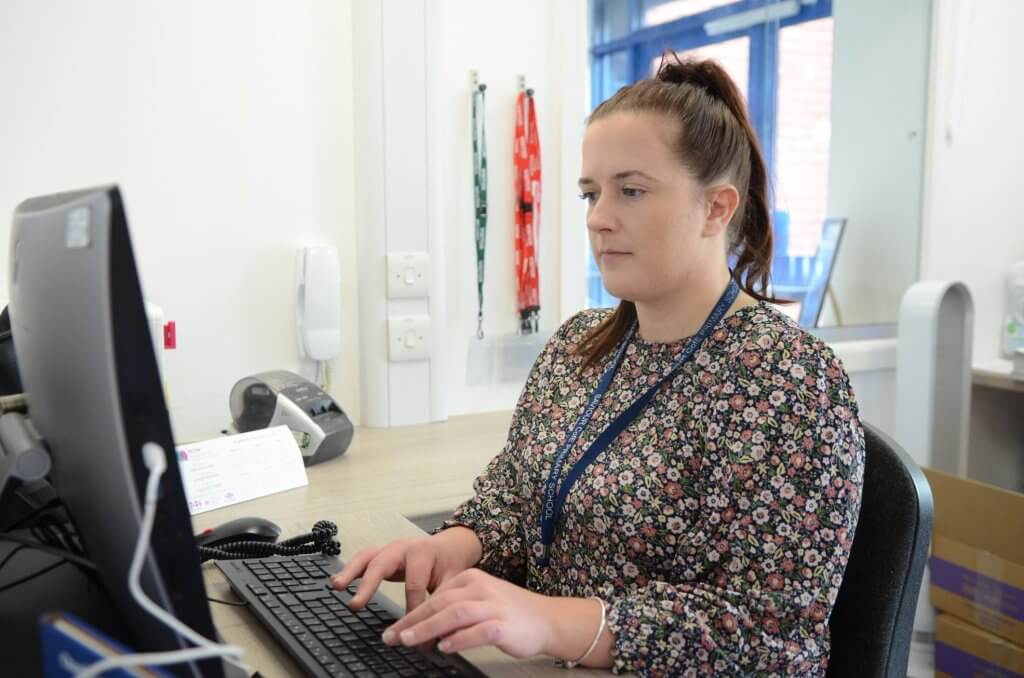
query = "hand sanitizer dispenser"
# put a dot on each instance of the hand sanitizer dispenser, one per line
(1013, 329)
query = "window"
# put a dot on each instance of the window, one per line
(779, 52)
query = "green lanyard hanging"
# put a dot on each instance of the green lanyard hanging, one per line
(479, 197)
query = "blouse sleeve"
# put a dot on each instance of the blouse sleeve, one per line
(494, 513)
(757, 582)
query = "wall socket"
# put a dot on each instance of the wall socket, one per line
(409, 337)
(408, 275)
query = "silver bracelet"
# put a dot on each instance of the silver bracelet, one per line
(570, 664)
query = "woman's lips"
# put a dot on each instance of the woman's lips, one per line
(613, 255)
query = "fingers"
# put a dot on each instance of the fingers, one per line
(487, 632)
(373, 566)
(380, 568)
(432, 606)
(452, 617)
(419, 564)
(354, 568)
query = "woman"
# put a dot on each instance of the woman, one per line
(698, 522)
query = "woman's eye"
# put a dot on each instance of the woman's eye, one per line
(588, 196)
(632, 192)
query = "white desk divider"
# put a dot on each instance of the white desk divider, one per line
(933, 388)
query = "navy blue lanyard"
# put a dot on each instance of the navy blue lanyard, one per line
(555, 494)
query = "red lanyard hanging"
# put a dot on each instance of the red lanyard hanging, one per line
(526, 154)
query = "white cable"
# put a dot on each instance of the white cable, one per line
(156, 461)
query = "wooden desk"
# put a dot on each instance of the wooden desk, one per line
(995, 452)
(387, 473)
(997, 374)
(412, 470)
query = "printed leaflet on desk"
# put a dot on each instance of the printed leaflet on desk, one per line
(232, 469)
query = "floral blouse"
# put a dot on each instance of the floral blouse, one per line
(718, 524)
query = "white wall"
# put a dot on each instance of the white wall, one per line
(228, 126)
(233, 152)
(973, 224)
(973, 229)
(546, 42)
(393, 205)
(879, 104)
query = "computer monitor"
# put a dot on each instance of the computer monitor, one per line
(821, 272)
(94, 394)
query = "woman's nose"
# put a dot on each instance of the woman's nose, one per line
(599, 216)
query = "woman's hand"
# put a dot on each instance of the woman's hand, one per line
(473, 609)
(424, 564)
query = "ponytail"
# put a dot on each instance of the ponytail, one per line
(750, 232)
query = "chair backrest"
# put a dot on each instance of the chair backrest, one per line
(873, 619)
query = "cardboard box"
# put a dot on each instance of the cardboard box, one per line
(965, 651)
(977, 561)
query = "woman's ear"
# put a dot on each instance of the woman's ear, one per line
(720, 203)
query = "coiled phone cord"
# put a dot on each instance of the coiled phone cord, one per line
(319, 540)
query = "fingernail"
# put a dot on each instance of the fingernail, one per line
(388, 637)
(444, 645)
(408, 637)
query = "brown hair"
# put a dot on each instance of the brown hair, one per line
(715, 141)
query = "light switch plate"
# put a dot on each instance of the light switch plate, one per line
(408, 275)
(409, 337)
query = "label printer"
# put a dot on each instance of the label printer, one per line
(279, 397)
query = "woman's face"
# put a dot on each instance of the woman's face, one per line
(647, 216)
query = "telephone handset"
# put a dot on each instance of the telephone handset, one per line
(318, 307)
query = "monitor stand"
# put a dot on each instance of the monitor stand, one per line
(67, 588)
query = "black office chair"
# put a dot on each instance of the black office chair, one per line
(873, 618)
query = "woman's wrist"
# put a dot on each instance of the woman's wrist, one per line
(575, 627)
(464, 542)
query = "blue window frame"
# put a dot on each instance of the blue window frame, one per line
(623, 50)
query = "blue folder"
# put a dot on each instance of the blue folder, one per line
(68, 642)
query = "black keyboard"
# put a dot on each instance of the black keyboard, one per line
(294, 599)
